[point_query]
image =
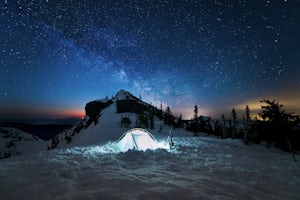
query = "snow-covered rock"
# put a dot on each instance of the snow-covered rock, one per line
(14, 142)
(124, 95)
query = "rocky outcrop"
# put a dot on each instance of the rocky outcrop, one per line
(131, 106)
(94, 108)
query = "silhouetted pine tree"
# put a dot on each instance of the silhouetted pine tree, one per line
(223, 126)
(233, 115)
(279, 123)
(201, 124)
(179, 123)
(195, 112)
(142, 121)
(246, 125)
(168, 116)
(209, 127)
(247, 113)
(151, 118)
(125, 121)
(168, 110)
(195, 122)
(160, 112)
(218, 129)
(146, 121)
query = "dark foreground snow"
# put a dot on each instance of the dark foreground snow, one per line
(199, 168)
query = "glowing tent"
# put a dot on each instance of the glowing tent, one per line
(137, 139)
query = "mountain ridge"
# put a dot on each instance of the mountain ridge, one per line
(104, 117)
(105, 120)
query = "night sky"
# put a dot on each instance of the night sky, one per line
(55, 56)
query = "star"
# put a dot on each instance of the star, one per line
(216, 54)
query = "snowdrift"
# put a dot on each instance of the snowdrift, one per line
(199, 168)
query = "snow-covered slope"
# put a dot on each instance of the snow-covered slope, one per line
(198, 168)
(15, 142)
(106, 129)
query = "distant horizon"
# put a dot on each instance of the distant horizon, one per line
(187, 113)
(41, 121)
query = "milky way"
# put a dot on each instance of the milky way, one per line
(58, 55)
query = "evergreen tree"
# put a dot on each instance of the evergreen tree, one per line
(146, 121)
(201, 124)
(125, 121)
(160, 112)
(209, 127)
(217, 129)
(168, 116)
(247, 113)
(278, 121)
(137, 121)
(141, 120)
(195, 123)
(223, 126)
(233, 115)
(195, 111)
(151, 118)
(246, 124)
(168, 110)
(179, 123)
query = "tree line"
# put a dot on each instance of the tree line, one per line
(273, 126)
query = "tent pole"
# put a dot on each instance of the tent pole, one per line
(134, 142)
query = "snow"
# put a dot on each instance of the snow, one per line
(21, 142)
(108, 128)
(124, 95)
(92, 166)
(102, 100)
(198, 168)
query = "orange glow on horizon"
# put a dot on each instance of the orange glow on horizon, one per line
(76, 113)
(290, 104)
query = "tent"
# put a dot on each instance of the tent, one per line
(137, 139)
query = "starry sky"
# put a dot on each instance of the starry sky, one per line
(55, 56)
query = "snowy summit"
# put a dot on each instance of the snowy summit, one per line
(124, 95)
